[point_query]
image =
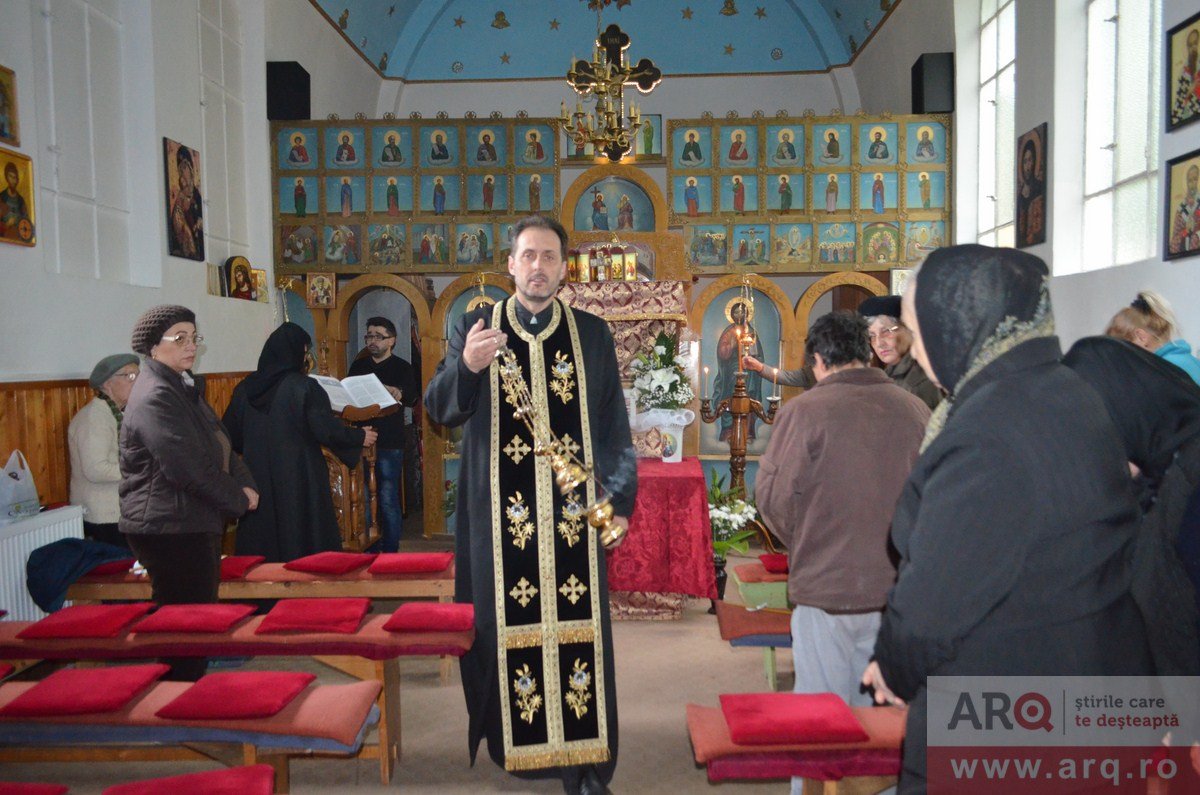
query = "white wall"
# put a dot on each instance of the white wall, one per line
(57, 325)
(1085, 302)
(1049, 75)
(883, 70)
(341, 81)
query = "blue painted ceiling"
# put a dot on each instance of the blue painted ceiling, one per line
(420, 40)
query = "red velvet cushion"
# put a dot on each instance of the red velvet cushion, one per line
(776, 564)
(31, 789)
(5, 670)
(114, 566)
(411, 562)
(235, 567)
(79, 691)
(254, 780)
(315, 615)
(237, 694)
(431, 617)
(193, 618)
(86, 621)
(783, 718)
(330, 562)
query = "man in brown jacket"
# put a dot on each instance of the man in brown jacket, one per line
(827, 485)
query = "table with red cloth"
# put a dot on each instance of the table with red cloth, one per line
(667, 554)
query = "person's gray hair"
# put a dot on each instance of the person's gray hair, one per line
(872, 318)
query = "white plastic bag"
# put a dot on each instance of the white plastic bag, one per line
(18, 494)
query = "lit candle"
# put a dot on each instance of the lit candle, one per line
(705, 396)
(775, 379)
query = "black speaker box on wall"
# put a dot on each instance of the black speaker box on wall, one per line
(933, 83)
(288, 91)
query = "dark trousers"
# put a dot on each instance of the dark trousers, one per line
(184, 568)
(108, 533)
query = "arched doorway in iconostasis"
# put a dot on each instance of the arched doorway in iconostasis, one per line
(407, 306)
(615, 201)
(758, 308)
(749, 312)
(464, 294)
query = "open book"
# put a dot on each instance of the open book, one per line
(355, 390)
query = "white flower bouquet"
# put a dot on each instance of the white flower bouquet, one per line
(659, 377)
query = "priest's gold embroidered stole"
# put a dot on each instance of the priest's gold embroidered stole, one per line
(550, 645)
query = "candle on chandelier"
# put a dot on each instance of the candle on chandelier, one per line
(775, 379)
(705, 396)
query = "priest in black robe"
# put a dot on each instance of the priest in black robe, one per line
(278, 419)
(539, 680)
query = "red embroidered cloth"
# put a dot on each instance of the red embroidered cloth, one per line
(669, 545)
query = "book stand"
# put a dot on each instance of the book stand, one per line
(349, 485)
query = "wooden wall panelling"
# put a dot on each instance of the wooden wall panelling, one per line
(35, 415)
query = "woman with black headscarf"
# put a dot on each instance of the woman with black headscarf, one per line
(1016, 524)
(1156, 408)
(278, 419)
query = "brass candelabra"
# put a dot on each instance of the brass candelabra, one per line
(605, 77)
(569, 472)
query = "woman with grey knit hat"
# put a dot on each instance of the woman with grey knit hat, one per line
(92, 444)
(181, 479)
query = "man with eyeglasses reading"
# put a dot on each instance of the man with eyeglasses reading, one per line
(400, 379)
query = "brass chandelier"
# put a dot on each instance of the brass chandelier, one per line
(605, 78)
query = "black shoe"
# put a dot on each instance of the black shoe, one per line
(591, 784)
(572, 779)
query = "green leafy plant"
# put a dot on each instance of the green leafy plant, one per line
(729, 512)
(659, 378)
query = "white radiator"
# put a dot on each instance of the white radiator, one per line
(19, 539)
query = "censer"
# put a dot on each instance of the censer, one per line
(569, 472)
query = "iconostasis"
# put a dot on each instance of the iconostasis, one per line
(422, 196)
(809, 194)
(368, 204)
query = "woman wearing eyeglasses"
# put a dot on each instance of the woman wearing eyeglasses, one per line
(890, 339)
(92, 443)
(181, 479)
(892, 342)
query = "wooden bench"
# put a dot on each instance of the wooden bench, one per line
(273, 581)
(370, 654)
(827, 768)
(324, 720)
(768, 629)
(759, 587)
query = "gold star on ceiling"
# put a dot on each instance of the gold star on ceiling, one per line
(504, 58)
(687, 12)
(729, 49)
(459, 22)
(761, 13)
(554, 24)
